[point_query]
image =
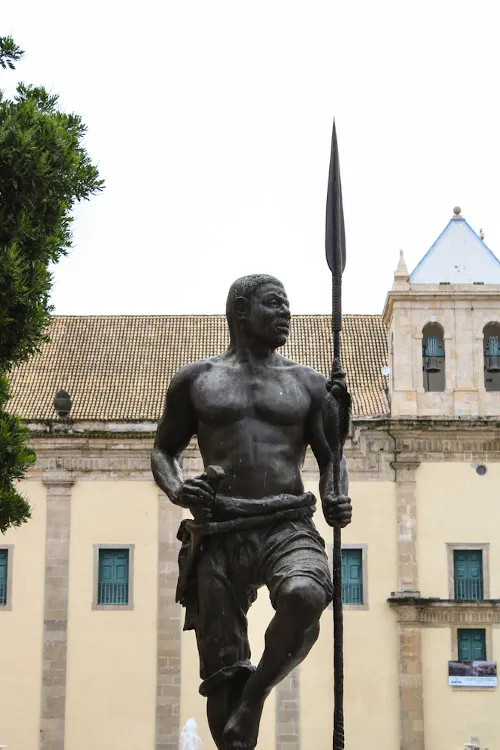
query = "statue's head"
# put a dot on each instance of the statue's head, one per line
(258, 305)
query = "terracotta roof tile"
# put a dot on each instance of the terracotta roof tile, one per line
(119, 367)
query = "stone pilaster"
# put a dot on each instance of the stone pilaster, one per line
(406, 515)
(410, 678)
(288, 713)
(168, 670)
(55, 625)
(410, 674)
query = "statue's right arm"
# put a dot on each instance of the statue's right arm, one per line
(175, 429)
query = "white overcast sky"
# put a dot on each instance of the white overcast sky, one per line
(210, 121)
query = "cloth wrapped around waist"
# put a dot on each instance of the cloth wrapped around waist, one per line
(235, 514)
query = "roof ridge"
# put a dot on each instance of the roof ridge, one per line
(149, 316)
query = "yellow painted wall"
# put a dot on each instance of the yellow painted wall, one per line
(111, 671)
(454, 504)
(21, 630)
(112, 655)
(453, 715)
(192, 703)
(370, 644)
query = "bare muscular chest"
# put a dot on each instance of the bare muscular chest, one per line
(224, 395)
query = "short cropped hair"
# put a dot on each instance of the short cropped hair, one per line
(245, 287)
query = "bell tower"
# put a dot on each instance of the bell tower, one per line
(443, 323)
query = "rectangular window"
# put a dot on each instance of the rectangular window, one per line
(352, 576)
(4, 574)
(468, 574)
(113, 583)
(471, 644)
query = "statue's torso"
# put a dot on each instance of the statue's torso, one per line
(251, 421)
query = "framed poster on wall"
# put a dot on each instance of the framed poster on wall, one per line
(472, 673)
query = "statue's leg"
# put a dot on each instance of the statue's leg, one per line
(300, 587)
(222, 638)
(289, 638)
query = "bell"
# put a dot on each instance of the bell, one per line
(432, 351)
(492, 354)
(431, 364)
(493, 364)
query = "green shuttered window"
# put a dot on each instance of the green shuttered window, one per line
(113, 585)
(471, 644)
(4, 563)
(352, 576)
(468, 574)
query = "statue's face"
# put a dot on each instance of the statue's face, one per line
(268, 315)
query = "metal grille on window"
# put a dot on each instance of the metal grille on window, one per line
(113, 576)
(352, 576)
(468, 574)
(4, 561)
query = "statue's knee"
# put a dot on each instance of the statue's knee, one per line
(303, 598)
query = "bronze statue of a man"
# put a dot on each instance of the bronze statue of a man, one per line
(254, 413)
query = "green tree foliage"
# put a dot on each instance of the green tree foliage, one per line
(44, 169)
(9, 52)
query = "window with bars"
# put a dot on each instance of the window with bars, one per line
(352, 576)
(113, 583)
(4, 569)
(471, 644)
(468, 574)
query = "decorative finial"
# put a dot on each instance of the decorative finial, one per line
(62, 404)
(457, 212)
(481, 234)
(401, 274)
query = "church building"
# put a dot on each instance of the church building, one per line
(92, 650)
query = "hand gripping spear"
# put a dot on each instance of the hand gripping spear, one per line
(336, 408)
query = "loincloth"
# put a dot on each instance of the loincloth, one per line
(267, 511)
(223, 563)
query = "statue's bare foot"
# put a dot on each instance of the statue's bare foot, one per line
(242, 728)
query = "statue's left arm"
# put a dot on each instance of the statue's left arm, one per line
(337, 509)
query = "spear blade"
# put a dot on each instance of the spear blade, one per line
(335, 228)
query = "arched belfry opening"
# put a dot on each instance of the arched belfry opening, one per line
(433, 357)
(491, 349)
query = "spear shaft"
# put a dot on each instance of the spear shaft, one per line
(336, 416)
(338, 614)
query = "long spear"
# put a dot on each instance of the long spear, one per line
(336, 407)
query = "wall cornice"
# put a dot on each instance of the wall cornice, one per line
(415, 295)
(434, 613)
(375, 449)
(418, 440)
(57, 478)
(92, 458)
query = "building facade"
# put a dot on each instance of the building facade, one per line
(92, 649)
